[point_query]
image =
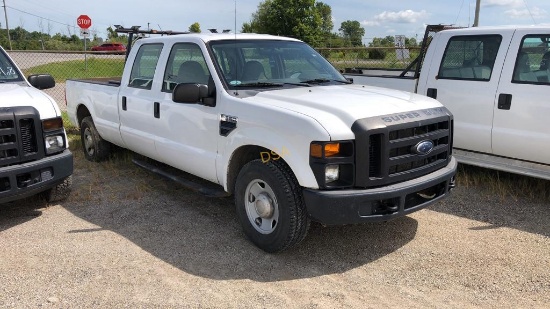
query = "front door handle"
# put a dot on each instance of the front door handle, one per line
(157, 110)
(504, 101)
(432, 93)
(123, 103)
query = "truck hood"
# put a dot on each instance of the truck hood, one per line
(336, 108)
(13, 94)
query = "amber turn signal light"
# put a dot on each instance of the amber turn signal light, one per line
(331, 150)
(52, 124)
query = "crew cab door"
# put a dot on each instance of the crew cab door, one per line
(136, 102)
(466, 82)
(187, 133)
(520, 126)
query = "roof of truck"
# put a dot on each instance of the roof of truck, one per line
(485, 29)
(207, 37)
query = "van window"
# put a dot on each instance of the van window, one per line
(145, 63)
(533, 60)
(470, 57)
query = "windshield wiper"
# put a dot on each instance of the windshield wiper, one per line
(324, 80)
(259, 85)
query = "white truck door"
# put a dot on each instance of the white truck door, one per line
(188, 133)
(136, 102)
(466, 81)
(520, 126)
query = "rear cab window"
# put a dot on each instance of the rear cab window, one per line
(533, 60)
(470, 57)
(145, 64)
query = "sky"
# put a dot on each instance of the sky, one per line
(379, 18)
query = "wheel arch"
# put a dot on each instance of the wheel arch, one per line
(239, 158)
(81, 113)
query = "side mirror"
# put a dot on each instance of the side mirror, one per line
(189, 93)
(41, 81)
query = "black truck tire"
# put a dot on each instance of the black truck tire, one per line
(59, 192)
(270, 206)
(95, 148)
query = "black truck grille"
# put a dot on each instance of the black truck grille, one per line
(19, 129)
(387, 146)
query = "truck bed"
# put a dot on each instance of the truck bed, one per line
(108, 81)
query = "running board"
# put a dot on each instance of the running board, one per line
(209, 191)
(531, 169)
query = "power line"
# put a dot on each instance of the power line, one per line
(459, 11)
(527, 7)
(51, 20)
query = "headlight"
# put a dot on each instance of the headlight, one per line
(332, 173)
(54, 144)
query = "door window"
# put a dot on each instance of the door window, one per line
(186, 64)
(533, 60)
(470, 57)
(144, 66)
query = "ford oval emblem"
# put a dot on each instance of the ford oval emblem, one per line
(423, 147)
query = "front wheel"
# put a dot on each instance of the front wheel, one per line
(270, 206)
(95, 147)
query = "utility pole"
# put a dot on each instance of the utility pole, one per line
(7, 26)
(476, 18)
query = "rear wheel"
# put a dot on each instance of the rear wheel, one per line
(95, 147)
(270, 206)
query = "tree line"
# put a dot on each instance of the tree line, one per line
(307, 20)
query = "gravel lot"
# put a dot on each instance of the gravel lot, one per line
(127, 238)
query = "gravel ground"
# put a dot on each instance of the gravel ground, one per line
(127, 238)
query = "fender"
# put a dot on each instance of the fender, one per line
(294, 150)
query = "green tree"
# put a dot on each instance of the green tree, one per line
(388, 41)
(352, 32)
(302, 19)
(195, 27)
(326, 17)
(111, 33)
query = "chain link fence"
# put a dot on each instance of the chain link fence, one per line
(63, 65)
(82, 65)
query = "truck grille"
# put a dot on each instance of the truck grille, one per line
(18, 135)
(391, 153)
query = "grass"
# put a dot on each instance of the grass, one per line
(76, 69)
(503, 185)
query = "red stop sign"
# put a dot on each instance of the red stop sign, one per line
(84, 22)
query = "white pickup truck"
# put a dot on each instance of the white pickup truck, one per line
(496, 82)
(34, 157)
(270, 121)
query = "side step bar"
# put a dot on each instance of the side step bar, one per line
(209, 191)
(515, 166)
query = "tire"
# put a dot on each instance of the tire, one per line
(270, 206)
(59, 192)
(95, 148)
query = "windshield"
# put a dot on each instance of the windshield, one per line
(272, 63)
(8, 71)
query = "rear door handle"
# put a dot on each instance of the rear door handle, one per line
(504, 101)
(157, 110)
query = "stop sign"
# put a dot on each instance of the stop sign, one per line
(84, 22)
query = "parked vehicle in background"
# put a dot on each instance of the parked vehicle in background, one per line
(495, 81)
(115, 48)
(34, 154)
(269, 120)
